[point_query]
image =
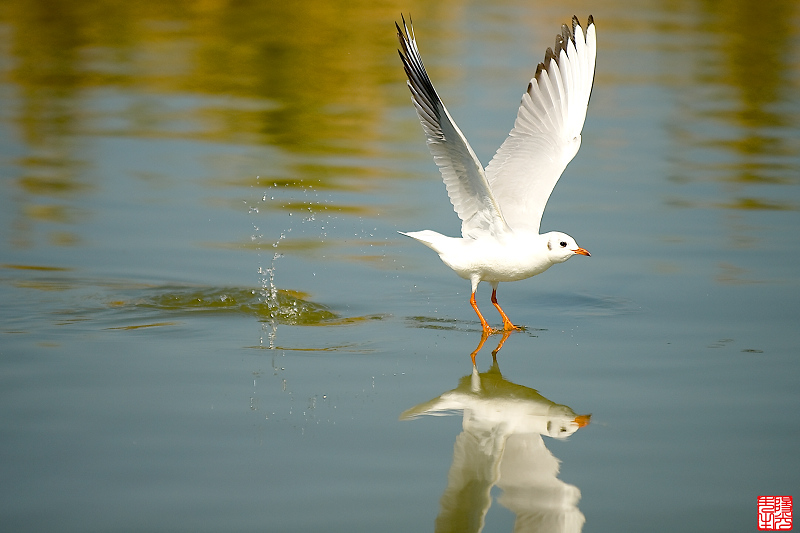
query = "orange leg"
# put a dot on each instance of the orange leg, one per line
(500, 344)
(485, 325)
(484, 336)
(507, 325)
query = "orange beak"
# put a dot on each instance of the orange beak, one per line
(582, 420)
(582, 252)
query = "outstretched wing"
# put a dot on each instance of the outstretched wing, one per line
(462, 172)
(547, 132)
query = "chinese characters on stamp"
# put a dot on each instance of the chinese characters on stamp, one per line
(774, 513)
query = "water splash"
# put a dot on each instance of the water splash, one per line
(269, 291)
(308, 210)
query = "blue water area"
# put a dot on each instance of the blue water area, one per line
(210, 322)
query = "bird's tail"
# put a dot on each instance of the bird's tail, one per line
(429, 238)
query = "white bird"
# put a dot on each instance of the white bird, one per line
(501, 207)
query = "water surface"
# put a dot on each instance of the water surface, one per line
(210, 323)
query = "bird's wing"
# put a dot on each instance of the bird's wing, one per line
(462, 172)
(547, 132)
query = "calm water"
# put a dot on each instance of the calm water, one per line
(209, 322)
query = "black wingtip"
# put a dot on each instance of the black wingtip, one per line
(400, 34)
(403, 38)
(549, 55)
(562, 43)
(567, 34)
(409, 30)
(577, 23)
(418, 81)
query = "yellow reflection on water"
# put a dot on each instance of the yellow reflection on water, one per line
(319, 84)
(756, 38)
(747, 72)
(309, 80)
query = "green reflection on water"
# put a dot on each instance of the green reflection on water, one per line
(286, 307)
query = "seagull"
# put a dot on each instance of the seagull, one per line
(501, 206)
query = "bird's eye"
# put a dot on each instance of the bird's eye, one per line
(563, 244)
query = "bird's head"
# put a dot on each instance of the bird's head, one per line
(561, 247)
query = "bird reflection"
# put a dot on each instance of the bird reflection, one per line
(501, 445)
(484, 336)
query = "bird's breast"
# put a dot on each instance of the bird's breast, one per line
(493, 260)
